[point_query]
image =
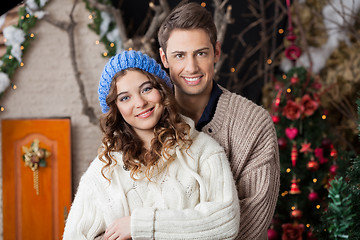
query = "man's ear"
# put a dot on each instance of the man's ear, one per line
(163, 58)
(217, 51)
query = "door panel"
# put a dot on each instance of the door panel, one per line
(29, 214)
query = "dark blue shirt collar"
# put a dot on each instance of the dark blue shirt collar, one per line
(210, 108)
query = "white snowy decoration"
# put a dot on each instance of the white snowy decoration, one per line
(32, 7)
(338, 15)
(114, 36)
(2, 19)
(4, 81)
(104, 26)
(14, 37)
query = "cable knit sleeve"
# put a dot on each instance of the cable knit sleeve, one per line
(85, 219)
(258, 182)
(216, 216)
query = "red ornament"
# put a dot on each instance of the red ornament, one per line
(311, 236)
(313, 196)
(292, 231)
(313, 165)
(333, 153)
(319, 153)
(275, 119)
(294, 79)
(294, 155)
(291, 132)
(296, 214)
(326, 143)
(272, 234)
(292, 52)
(282, 143)
(333, 169)
(294, 189)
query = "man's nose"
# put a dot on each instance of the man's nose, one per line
(191, 65)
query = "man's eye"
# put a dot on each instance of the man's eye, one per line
(179, 55)
(201, 53)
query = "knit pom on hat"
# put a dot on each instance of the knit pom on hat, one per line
(122, 61)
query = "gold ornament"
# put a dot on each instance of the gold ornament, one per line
(34, 157)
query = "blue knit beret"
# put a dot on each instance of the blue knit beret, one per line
(124, 60)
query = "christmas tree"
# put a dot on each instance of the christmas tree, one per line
(307, 155)
(342, 218)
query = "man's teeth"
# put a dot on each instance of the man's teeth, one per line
(192, 79)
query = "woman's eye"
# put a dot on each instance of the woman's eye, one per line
(121, 99)
(147, 89)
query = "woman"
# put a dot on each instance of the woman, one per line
(155, 177)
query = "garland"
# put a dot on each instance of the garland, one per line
(104, 25)
(17, 40)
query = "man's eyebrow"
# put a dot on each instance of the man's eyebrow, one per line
(195, 51)
(176, 52)
(201, 49)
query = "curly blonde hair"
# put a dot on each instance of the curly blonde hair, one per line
(119, 136)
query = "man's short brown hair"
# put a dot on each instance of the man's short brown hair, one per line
(187, 17)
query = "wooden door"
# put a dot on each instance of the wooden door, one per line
(35, 207)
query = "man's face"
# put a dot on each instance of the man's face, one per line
(190, 57)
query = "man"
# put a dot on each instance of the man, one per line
(189, 49)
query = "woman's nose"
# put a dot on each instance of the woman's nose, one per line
(141, 102)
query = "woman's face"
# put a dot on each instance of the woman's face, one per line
(138, 102)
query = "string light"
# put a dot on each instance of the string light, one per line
(2, 108)
(21, 64)
(112, 44)
(308, 225)
(293, 208)
(281, 31)
(269, 61)
(284, 76)
(232, 69)
(288, 90)
(318, 206)
(203, 4)
(284, 193)
(97, 42)
(151, 5)
(288, 170)
(14, 86)
(105, 54)
(130, 48)
(314, 180)
(323, 116)
(32, 35)
(10, 57)
(22, 47)
(90, 17)
(27, 15)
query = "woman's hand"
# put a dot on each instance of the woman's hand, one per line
(119, 230)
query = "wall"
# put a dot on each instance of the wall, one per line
(46, 84)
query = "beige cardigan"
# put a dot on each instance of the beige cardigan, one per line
(247, 133)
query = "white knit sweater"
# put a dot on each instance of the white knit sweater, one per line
(194, 199)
